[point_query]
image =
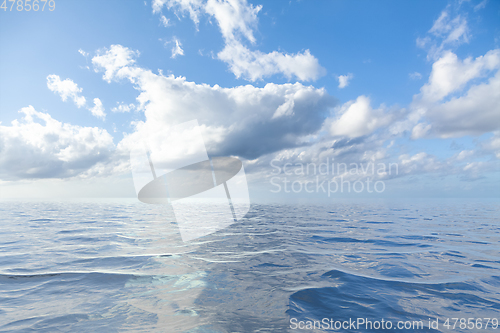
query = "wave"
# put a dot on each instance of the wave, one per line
(352, 296)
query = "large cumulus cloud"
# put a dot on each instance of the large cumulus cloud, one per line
(247, 121)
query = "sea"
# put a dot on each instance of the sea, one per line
(118, 265)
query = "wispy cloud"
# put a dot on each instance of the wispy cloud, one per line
(69, 89)
(66, 89)
(415, 76)
(447, 31)
(237, 20)
(480, 5)
(177, 48)
(83, 53)
(123, 108)
(164, 21)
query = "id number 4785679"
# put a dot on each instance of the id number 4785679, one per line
(28, 5)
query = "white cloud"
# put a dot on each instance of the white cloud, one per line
(344, 80)
(285, 109)
(450, 74)
(480, 5)
(234, 17)
(358, 118)
(419, 163)
(66, 88)
(492, 145)
(415, 76)
(465, 154)
(422, 41)
(123, 108)
(443, 108)
(255, 65)
(276, 120)
(245, 120)
(164, 21)
(445, 32)
(474, 112)
(461, 164)
(193, 7)
(177, 48)
(236, 20)
(83, 53)
(98, 109)
(420, 130)
(39, 146)
(114, 60)
(450, 29)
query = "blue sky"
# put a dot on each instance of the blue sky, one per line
(408, 82)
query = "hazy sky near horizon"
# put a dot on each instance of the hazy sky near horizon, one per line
(416, 83)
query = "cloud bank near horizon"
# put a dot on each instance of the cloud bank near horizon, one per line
(287, 122)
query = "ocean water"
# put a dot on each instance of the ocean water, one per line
(120, 266)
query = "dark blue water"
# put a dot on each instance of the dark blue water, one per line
(120, 266)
